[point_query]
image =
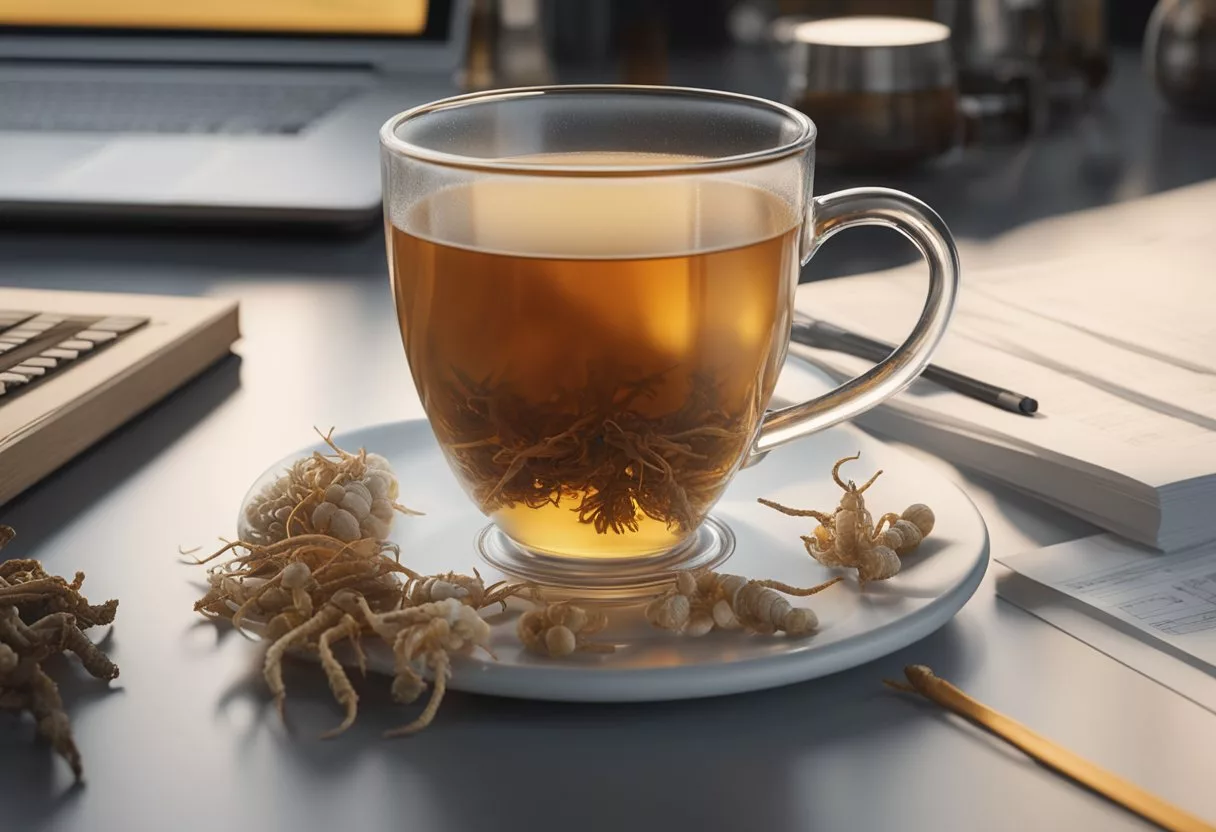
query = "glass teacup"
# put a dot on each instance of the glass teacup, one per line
(595, 290)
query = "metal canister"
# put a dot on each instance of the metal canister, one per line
(882, 89)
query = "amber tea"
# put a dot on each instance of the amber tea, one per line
(594, 355)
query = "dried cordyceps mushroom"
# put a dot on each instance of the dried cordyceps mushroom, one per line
(848, 538)
(315, 591)
(425, 638)
(41, 594)
(468, 589)
(908, 529)
(292, 587)
(312, 589)
(559, 629)
(700, 603)
(41, 616)
(317, 571)
(348, 496)
(330, 623)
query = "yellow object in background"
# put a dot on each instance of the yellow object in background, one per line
(404, 17)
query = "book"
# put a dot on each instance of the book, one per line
(1116, 342)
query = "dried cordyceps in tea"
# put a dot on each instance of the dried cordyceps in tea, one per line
(348, 496)
(848, 538)
(697, 604)
(41, 616)
(560, 628)
(600, 449)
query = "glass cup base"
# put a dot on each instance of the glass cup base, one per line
(606, 580)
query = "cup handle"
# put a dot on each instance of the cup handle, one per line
(920, 224)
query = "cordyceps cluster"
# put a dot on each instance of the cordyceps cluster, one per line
(848, 537)
(347, 496)
(697, 604)
(561, 628)
(309, 590)
(43, 615)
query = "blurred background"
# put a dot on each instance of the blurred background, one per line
(1039, 107)
(995, 112)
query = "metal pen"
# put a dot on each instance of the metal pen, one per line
(815, 333)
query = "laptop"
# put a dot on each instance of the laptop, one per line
(232, 109)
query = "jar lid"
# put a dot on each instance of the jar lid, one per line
(867, 54)
(865, 31)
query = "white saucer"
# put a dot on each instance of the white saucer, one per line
(855, 626)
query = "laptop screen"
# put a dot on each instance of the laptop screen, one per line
(378, 18)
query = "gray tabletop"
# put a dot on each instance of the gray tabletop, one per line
(186, 739)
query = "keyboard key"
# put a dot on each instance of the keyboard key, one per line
(62, 353)
(28, 370)
(41, 324)
(41, 361)
(10, 318)
(96, 336)
(118, 324)
(11, 380)
(49, 334)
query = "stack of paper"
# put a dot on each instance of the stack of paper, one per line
(1169, 600)
(1118, 345)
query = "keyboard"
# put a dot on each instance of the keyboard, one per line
(165, 106)
(35, 346)
(76, 365)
